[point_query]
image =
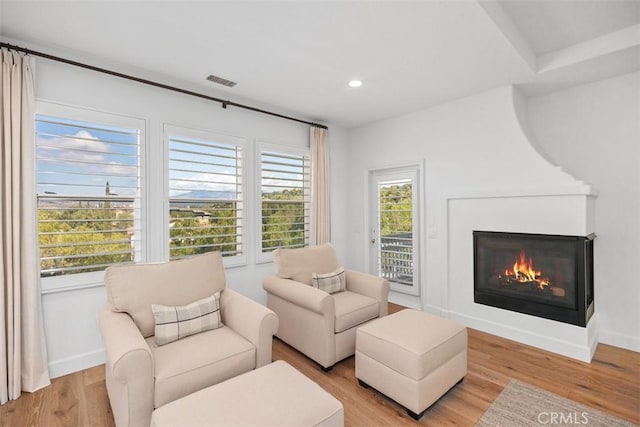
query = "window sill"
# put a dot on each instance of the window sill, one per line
(74, 282)
(53, 285)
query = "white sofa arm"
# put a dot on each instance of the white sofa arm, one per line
(300, 294)
(253, 321)
(371, 286)
(129, 369)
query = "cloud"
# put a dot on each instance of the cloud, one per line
(81, 146)
(70, 156)
(203, 182)
(84, 152)
(115, 169)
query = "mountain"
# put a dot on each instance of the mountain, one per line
(206, 194)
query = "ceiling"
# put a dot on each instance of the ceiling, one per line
(297, 57)
(553, 25)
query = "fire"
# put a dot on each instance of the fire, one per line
(524, 272)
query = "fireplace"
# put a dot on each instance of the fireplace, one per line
(548, 276)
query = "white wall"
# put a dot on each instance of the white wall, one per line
(474, 144)
(481, 172)
(73, 339)
(593, 131)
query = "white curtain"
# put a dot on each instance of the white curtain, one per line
(320, 187)
(23, 361)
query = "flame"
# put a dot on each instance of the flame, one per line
(524, 272)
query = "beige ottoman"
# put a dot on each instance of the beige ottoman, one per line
(274, 395)
(412, 357)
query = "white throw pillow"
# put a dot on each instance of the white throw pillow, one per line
(174, 323)
(332, 282)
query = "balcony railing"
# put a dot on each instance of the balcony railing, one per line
(396, 258)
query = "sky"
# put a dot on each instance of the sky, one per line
(78, 159)
(75, 158)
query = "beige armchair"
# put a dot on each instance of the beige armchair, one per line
(141, 375)
(316, 323)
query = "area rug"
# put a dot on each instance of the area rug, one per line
(521, 404)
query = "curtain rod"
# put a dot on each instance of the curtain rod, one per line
(224, 102)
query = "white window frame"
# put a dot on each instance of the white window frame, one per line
(261, 146)
(170, 130)
(64, 111)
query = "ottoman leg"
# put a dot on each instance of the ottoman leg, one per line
(362, 383)
(414, 415)
(328, 368)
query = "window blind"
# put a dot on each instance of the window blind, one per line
(88, 194)
(206, 200)
(285, 190)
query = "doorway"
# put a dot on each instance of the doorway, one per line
(394, 219)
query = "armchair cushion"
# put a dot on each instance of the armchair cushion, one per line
(353, 309)
(332, 282)
(174, 323)
(307, 297)
(133, 288)
(196, 362)
(300, 264)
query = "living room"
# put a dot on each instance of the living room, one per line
(507, 130)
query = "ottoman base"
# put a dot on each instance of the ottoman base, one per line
(409, 411)
(415, 395)
(273, 395)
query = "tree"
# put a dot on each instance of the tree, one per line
(396, 214)
(87, 238)
(283, 219)
(213, 227)
(82, 238)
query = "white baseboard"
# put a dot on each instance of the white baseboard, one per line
(58, 368)
(619, 340)
(434, 309)
(405, 300)
(583, 353)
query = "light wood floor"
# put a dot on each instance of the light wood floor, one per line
(611, 383)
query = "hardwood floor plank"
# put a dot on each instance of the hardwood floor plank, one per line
(611, 384)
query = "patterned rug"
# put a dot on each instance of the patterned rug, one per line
(521, 404)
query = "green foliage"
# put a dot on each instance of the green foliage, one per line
(283, 219)
(76, 237)
(396, 226)
(208, 228)
(396, 209)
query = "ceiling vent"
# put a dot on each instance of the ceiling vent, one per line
(221, 81)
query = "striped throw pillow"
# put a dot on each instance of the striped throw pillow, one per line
(174, 323)
(330, 282)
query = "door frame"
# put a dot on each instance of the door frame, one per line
(371, 222)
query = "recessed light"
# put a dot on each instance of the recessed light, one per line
(355, 83)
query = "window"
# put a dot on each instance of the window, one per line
(88, 193)
(285, 188)
(205, 194)
(104, 197)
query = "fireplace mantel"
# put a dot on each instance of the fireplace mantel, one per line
(528, 212)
